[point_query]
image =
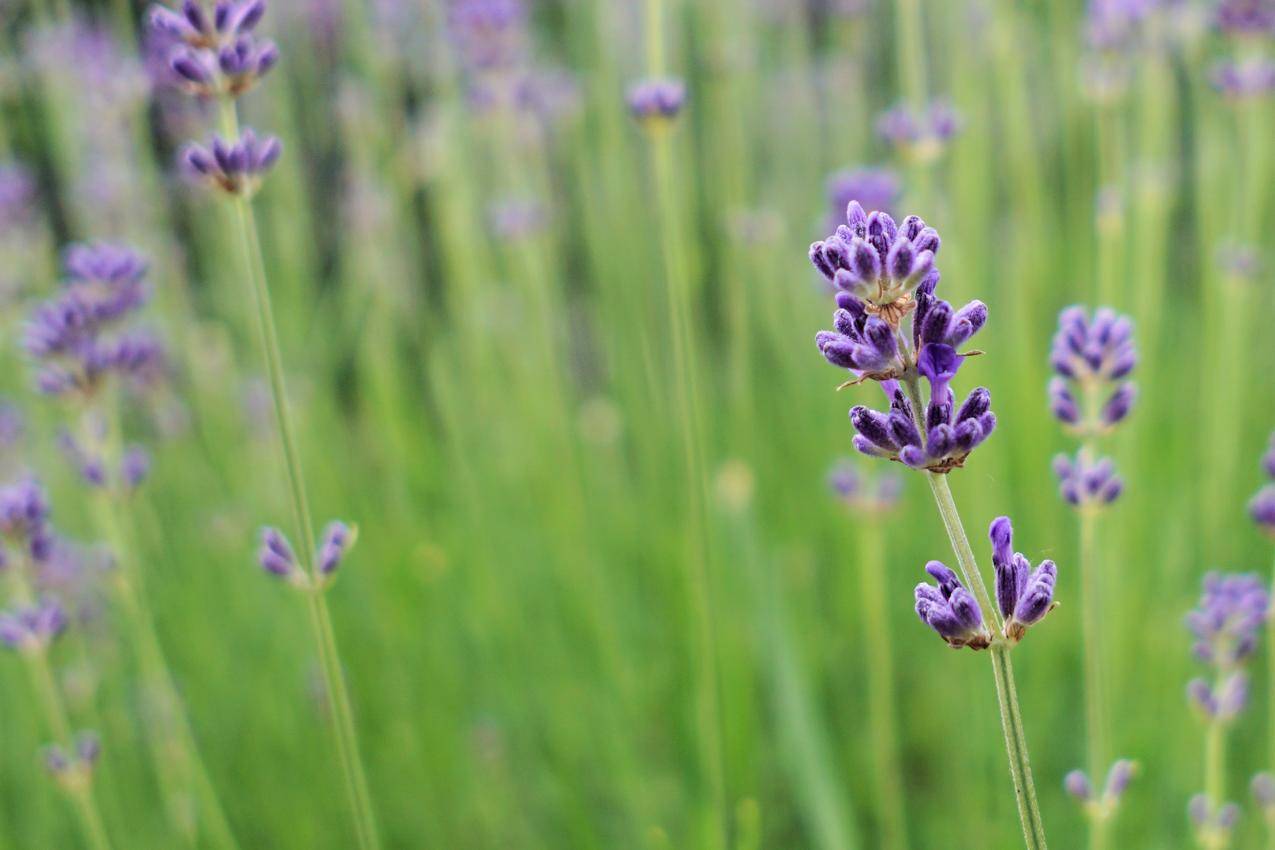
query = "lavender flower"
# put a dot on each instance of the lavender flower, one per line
(1268, 459)
(1229, 619)
(1092, 359)
(32, 628)
(879, 263)
(656, 102)
(1212, 823)
(1023, 595)
(1263, 789)
(874, 188)
(489, 34)
(24, 519)
(193, 26)
(922, 134)
(236, 168)
(1245, 18)
(870, 495)
(1101, 807)
(885, 273)
(277, 557)
(1085, 482)
(73, 769)
(1223, 701)
(951, 610)
(1262, 509)
(1240, 79)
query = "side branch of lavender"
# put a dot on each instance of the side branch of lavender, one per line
(219, 55)
(885, 277)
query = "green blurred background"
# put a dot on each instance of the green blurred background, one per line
(473, 302)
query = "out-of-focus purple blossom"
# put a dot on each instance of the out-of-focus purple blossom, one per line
(232, 69)
(1239, 79)
(32, 628)
(1212, 823)
(337, 540)
(1263, 789)
(951, 610)
(489, 34)
(1229, 619)
(1103, 806)
(1024, 595)
(12, 425)
(236, 168)
(518, 218)
(17, 195)
(873, 188)
(276, 556)
(921, 134)
(864, 493)
(196, 25)
(656, 101)
(1222, 702)
(1268, 459)
(134, 467)
(24, 518)
(89, 61)
(1245, 18)
(1262, 509)
(1116, 25)
(1087, 482)
(1092, 359)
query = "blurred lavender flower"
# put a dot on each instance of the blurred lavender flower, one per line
(1222, 701)
(1262, 509)
(24, 520)
(1239, 79)
(236, 168)
(1023, 595)
(75, 768)
(873, 188)
(277, 557)
(212, 52)
(863, 493)
(1086, 482)
(17, 195)
(921, 135)
(1245, 18)
(1263, 789)
(23, 241)
(489, 34)
(1092, 359)
(75, 338)
(1211, 823)
(31, 628)
(1103, 806)
(1227, 623)
(656, 102)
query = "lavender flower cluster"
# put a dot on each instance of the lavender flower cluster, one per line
(1024, 595)
(79, 338)
(1262, 506)
(919, 134)
(218, 55)
(863, 493)
(1092, 358)
(278, 558)
(884, 273)
(27, 542)
(656, 102)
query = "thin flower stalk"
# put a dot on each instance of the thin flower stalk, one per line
(655, 103)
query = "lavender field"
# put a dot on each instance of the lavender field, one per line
(696, 424)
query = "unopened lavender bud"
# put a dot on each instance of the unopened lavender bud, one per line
(1077, 785)
(874, 427)
(1118, 779)
(1001, 532)
(1119, 405)
(337, 539)
(1232, 697)
(56, 761)
(276, 556)
(1200, 695)
(1262, 509)
(88, 747)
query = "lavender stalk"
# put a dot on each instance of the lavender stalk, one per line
(884, 274)
(219, 55)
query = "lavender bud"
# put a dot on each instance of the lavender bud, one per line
(1262, 509)
(656, 102)
(1077, 785)
(337, 539)
(276, 556)
(1118, 779)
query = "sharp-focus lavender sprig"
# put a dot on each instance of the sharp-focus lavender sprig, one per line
(1092, 359)
(920, 135)
(884, 273)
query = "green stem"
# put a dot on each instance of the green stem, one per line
(1006, 693)
(878, 642)
(1095, 685)
(1215, 782)
(910, 49)
(45, 686)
